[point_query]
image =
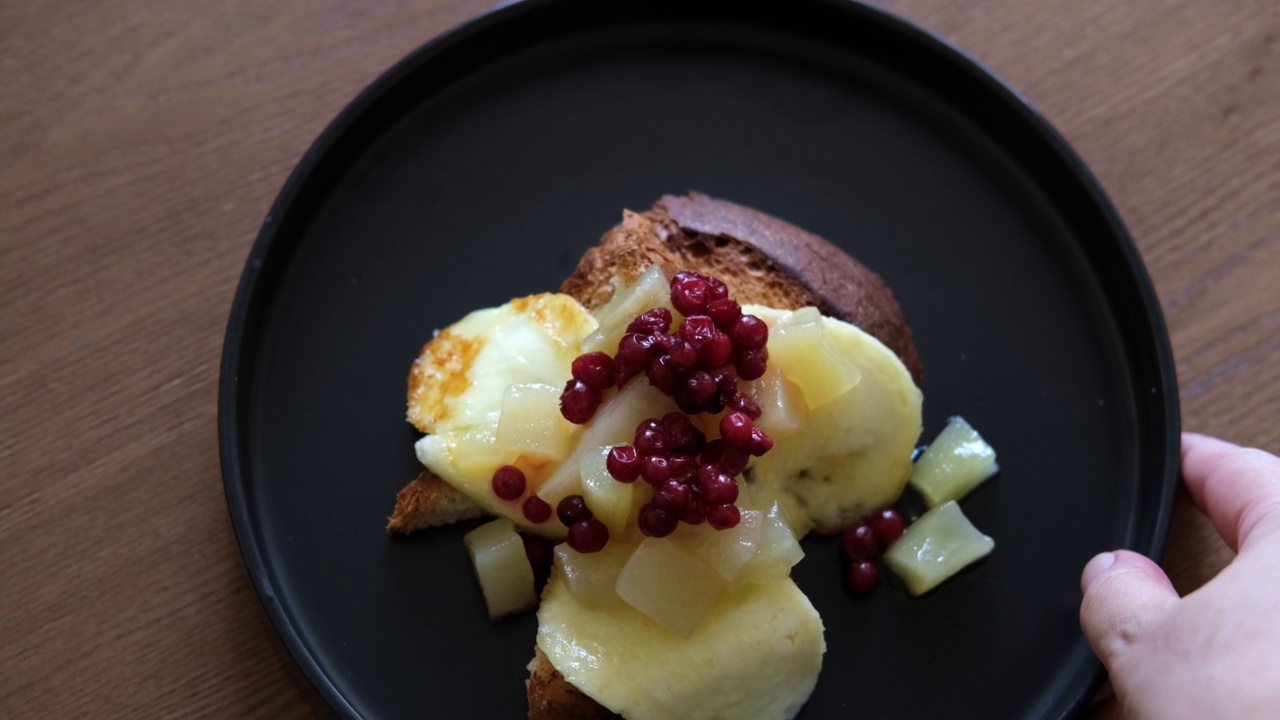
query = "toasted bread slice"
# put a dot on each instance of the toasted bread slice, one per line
(551, 697)
(762, 259)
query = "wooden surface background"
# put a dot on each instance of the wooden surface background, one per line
(141, 143)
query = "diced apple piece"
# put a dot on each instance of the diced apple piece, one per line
(957, 462)
(799, 347)
(530, 422)
(669, 584)
(776, 552)
(650, 291)
(725, 550)
(506, 578)
(783, 410)
(609, 500)
(615, 422)
(941, 543)
(592, 578)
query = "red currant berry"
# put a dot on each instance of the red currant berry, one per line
(727, 459)
(716, 350)
(716, 289)
(656, 522)
(684, 468)
(662, 374)
(858, 542)
(760, 442)
(698, 389)
(749, 333)
(650, 439)
(690, 293)
(623, 463)
(536, 510)
(696, 329)
(657, 320)
(888, 526)
(725, 312)
(596, 370)
(695, 510)
(588, 536)
(751, 364)
(671, 496)
(633, 354)
(718, 487)
(682, 357)
(723, 517)
(508, 482)
(655, 469)
(681, 435)
(735, 430)
(579, 401)
(662, 344)
(861, 578)
(572, 509)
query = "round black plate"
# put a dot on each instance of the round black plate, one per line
(483, 165)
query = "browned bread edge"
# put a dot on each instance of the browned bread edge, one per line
(551, 697)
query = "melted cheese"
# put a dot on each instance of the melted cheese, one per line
(756, 655)
(456, 386)
(854, 454)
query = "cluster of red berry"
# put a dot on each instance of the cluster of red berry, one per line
(861, 544)
(690, 365)
(699, 366)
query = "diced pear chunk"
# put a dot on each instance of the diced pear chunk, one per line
(530, 422)
(475, 448)
(782, 405)
(592, 578)
(651, 290)
(776, 552)
(669, 584)
(798, 344)
(609, 500)
(941, 543)
(506, 578)
(954, 464)
(615, 422)
(725, 550)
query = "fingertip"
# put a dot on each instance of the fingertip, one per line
(1095, 568)
(1123, 591)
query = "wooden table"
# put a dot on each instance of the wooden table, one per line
(141, 143)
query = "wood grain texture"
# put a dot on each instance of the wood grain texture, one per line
(141, 143)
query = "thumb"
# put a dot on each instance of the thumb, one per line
(1123, 592)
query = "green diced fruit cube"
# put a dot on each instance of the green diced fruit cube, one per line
(939, 544)
(957, 462)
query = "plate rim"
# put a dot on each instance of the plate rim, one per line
(266, 248)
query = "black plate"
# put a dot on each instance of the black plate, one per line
(482, 166)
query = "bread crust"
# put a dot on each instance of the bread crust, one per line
(763, 260)
(427, 501)
(551, 697)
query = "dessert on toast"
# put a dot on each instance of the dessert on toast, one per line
(764, 262)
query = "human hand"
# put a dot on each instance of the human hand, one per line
(1216, 652)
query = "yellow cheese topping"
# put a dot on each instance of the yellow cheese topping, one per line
(755, 655)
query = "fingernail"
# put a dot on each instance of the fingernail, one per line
(1098, 565)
